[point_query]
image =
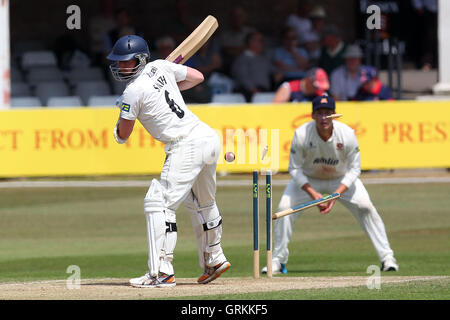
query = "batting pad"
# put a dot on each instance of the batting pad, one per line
(207, 224)
(156, 224)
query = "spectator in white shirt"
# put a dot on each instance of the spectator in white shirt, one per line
(345, 80)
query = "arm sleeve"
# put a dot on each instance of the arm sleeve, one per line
(296, 160)
(179, 70)
(294, 86)
(129, 105)
(354, 162)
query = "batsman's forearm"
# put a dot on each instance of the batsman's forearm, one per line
(193, 78)
(186, 85)
(117, 135)
(123, 129)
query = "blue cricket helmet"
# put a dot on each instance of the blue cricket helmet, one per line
(128, 48)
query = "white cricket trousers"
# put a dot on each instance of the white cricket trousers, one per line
(189, 176)
(190, 166)
(356, 199)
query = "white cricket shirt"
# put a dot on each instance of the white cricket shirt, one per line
(311, 157)
(155, 100)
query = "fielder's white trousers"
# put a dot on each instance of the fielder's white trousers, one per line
(356, 199)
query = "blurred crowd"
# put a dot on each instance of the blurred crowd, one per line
(308, 58)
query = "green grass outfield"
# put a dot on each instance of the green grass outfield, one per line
(102, 230)
(415, 290)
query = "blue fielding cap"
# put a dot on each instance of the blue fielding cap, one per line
(323, 102)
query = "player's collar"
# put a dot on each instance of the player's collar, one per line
(330, 139)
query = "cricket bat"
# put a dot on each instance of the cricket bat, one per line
(194, 41)
(305, 205)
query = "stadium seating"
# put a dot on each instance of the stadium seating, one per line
(19, 47)
(60, 102)
(228, 98)
(18, 102)
(87, 89)
(41, 74)
(20, 89)
(76, 76)
(16, 75)
(263, 97)
(102, 101)
(45, 90)
(41, 58)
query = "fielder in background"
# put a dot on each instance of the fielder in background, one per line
(325, 158)
(188, 175)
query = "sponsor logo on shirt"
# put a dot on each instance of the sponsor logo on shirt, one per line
(329, 161)
(152, 72)
(125, 107)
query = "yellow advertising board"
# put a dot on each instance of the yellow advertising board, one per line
(79, 141)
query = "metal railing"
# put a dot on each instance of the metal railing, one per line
(385, 54)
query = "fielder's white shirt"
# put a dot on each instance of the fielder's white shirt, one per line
(155, 100)
(311, 157)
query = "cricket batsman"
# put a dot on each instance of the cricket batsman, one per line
(325, 158)
(192, 148)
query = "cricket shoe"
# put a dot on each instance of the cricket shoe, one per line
(161, 281)
(212, 273)
(389, 264)
(277, 268)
